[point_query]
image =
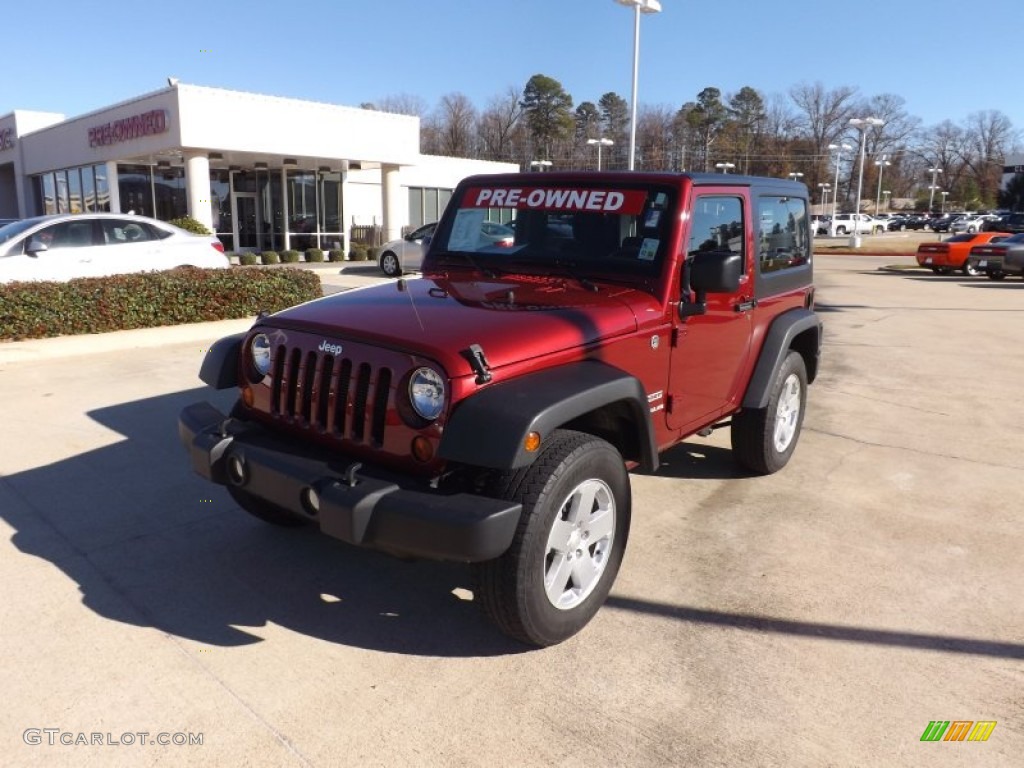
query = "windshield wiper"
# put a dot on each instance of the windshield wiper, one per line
(491, 272)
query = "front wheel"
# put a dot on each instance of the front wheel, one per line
(996, 275)
(569, 543)
(840, 230)
(389, 264)
(763, 439)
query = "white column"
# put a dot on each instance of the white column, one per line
(112, 189)
(197, 182)
(286, 213)
(393, 203)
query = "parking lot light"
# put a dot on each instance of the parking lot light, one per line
(881, 167)
(838, 149)
(724, 167)
(639, 6)
(862, 124)
(601, 142)
(931, 198)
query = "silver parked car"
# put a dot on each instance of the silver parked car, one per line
(66, 246)
(406, 255)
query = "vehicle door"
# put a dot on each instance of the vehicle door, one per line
(60, 251)
(130, 245)
(710, 351)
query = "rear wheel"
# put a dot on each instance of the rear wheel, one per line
(970, 270)
(763, 439)
(569, 543)
(840, 230)
(996, 275)
(389, 264)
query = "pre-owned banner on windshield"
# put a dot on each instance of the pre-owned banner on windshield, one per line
(626, 201)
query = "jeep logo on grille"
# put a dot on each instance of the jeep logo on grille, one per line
(333, 349)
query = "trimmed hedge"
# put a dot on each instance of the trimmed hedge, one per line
(190, 225)
(270, 257)
(148, 300)
(248, 258)
(335, 254)
(314, 255)
(291, 257)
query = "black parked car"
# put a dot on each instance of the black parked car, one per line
(942, 223)
(1012, 223)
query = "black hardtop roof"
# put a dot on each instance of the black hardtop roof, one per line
(641, 177)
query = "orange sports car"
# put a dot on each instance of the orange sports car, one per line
(942, 258)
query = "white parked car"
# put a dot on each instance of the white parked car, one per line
(406, 255)
(67, 246)
(854, 223)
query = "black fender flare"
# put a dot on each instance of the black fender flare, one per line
(488, 429)
(220, 366)
(780, 338)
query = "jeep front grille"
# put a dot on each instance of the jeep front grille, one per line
(334, 395)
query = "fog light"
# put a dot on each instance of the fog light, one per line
(532, 442)
(422, 450)
(311, 501)
(247, 396)
(236, 470)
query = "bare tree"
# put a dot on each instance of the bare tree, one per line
(403, 104)
(822, 118)
(987, 136)
(455, 118)
(496, 126)
(655, 138)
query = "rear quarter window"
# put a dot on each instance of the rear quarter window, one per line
(783, 235)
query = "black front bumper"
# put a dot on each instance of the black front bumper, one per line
(360, 506)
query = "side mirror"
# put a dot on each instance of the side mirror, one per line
(35, 246)
(709, 272)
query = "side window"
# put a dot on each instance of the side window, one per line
(716, 224)
(121, 231)
(783, 236)
(67, 234)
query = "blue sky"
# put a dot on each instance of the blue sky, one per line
(946, 58)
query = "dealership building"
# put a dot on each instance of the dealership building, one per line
(263, 172)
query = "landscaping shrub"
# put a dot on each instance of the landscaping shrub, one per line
(314, 255)
(185, 295)
(190, 225)
(357, 252)
(291, 257)
(270, 257)
(247, 259)
(335, 254)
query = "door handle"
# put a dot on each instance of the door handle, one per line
(745, 306)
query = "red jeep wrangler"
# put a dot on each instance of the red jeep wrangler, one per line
(488, 411)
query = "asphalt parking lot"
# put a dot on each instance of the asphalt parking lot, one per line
(821, 617)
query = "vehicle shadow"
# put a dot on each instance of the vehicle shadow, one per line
(697, 461)
(151, 544)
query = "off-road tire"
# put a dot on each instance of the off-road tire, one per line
(757, 432)
(512, 591)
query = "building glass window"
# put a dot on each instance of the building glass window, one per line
(169, 192)
(63, 203)
(426, 205)
(88, 189)
(302, 207)
(415, 208)
(102, 188)
(273, 210)
(330, 211)
(220, 208)
(48, 193)
(135, 185)
(75, 202)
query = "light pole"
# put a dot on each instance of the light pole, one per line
(885, 195)
(862, 124)
(795, 175)
(639, 6)
(931, 198)
(541, 165)
(838, 148)
(724, 167)
(944, 196)
(881, 167)
(601, 142)
(824, 187)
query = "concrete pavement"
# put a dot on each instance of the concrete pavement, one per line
(821, 616)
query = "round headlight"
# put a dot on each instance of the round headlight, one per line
(426, 393)
(259, 349)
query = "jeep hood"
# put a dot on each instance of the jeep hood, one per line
(513, 318)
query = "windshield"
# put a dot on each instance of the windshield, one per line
(14, 229)
(595, 228)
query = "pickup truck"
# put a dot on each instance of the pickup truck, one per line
(853, 223)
